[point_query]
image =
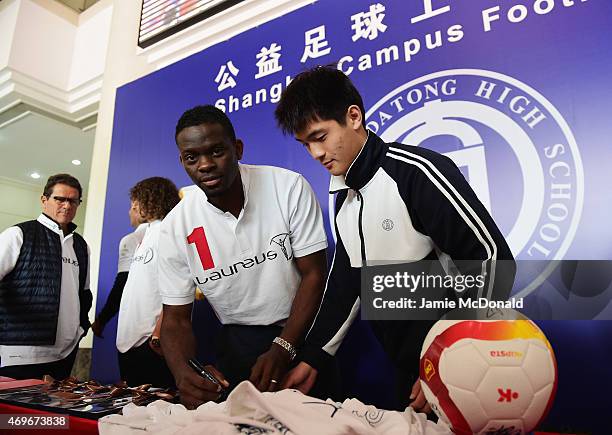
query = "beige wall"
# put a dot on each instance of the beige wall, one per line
(20, 202)
(44, 56)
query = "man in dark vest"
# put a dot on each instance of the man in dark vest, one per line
(44, 287)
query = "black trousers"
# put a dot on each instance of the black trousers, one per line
(238, 347)
(58, 369)
(402, 341)
(140, 365)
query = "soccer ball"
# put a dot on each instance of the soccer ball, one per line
(488, 377)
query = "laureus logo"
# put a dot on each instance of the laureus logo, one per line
(146, 257)
(281, 241)
(511, 144)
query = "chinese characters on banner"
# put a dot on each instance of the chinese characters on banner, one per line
(368, 24)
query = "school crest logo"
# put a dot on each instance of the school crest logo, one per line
(512, 145)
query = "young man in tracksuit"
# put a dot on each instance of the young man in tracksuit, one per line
(435, 216)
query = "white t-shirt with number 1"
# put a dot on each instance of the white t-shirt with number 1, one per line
(244, 266)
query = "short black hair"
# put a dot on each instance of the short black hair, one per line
(320, 93)
(156, 196)
(207, 114)
(66, 179)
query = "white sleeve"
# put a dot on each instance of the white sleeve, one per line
(11, 240)
(127, 248)
(87, 287)
(305, 220)
(175, 283)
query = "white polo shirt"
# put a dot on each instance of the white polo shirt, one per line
(68, 326)
(244, 266)
(141, 303)
(128, 245)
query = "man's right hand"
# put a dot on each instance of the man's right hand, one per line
(302, 378)
(97, 327)
(195, 390)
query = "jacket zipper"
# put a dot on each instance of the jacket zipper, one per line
(361, 238)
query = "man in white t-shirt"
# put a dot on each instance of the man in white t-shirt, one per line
(44, 287)
(252, 239)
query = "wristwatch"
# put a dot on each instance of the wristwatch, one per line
(287, 346)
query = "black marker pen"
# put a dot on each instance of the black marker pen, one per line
(201, 370)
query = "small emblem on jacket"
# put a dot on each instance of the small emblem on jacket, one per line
(387, 224)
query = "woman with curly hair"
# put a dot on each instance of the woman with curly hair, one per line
(140, 360)
(127, 247)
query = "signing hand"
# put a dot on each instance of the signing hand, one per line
(195, 389)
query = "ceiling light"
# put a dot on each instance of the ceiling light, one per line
(35, 175)
(76, 162)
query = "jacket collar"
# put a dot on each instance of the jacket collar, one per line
(364, 166)
(141, 227)
(54, 226)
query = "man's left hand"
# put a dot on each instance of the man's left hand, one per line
(155, 345)
(417, 397)
(271, 367)
(97, 327)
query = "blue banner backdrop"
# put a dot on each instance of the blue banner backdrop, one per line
(516, 92)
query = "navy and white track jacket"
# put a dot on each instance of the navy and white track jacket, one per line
(398, 203)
